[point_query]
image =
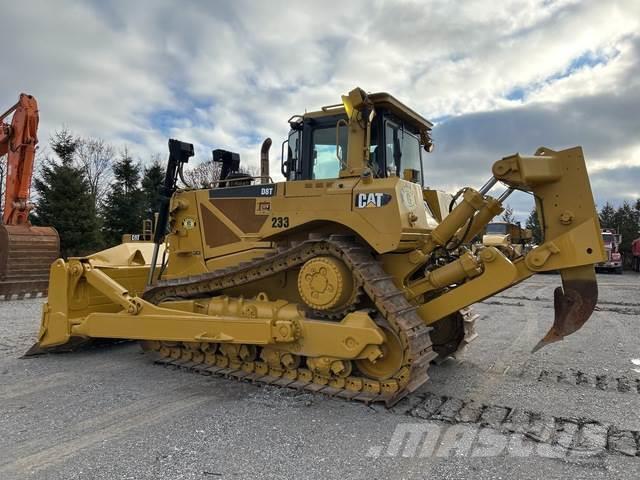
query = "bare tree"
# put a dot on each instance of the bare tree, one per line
(207, 174)
(250, 170)
(95, 156)
(204, 175)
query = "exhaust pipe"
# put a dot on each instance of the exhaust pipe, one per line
(264, 160)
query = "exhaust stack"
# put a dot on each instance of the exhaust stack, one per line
(264, 160)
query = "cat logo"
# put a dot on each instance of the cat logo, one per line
(372, 200)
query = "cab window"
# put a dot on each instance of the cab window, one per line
(402, 151)
(327, 159)
(497, 228)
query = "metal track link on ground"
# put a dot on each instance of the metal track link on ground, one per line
(397, 314)
(577, 435)
(604, 382)
(572, 436)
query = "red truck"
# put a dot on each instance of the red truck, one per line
(635, 252)
(612, 241)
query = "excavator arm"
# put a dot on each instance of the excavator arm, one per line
(18, 141)
(26, 251)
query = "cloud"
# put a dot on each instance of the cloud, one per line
(500, 77)
(604, 122)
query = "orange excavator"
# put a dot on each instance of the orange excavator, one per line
(26, 251)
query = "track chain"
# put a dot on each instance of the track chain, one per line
(398, 314)
(603, 381)
(574, 435)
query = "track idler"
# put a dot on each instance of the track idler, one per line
(573, 303)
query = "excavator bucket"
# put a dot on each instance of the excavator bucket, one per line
(26, 253)
(573, 303)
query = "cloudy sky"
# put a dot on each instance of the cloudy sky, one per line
(497, 77)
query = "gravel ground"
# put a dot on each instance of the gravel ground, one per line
(110, 413)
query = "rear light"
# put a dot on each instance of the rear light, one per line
(615, 257)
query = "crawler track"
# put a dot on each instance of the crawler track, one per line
(393, 312)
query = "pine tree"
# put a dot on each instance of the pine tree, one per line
(607, 216)
(64, 199)
(507, 216)
(152, 181)
(533, 224)
(124, 203)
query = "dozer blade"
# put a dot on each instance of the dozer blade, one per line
(83, 286)
(72, 345)
(573, 303)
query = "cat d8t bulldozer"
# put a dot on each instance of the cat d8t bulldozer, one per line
(348, 278)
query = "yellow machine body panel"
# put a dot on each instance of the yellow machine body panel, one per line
(350, 284)
(212, 232)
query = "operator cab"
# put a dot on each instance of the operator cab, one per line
(318, 141)
(497, 228)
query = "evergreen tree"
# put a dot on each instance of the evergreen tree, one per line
(64, 199)
(152, 181)
(507, 216)
(124, 203)
(607, 216)
(533, 224)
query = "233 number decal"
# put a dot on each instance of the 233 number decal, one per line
(279, 222)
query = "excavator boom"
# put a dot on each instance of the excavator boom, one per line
(26, 252)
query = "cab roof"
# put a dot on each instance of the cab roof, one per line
(382, 100)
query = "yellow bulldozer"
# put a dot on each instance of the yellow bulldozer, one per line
(510, 238)
(348, 278)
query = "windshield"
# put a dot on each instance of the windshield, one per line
(607, 238)
(402, 151)
(497, 228)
